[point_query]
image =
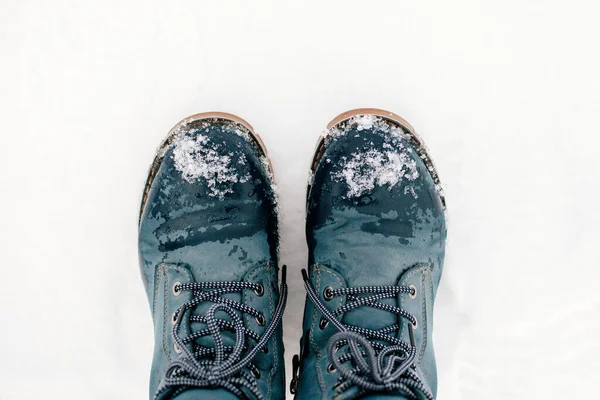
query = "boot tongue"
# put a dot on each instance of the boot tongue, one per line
(206, 394)
(371, 318)
(358, 272)
(227, 336)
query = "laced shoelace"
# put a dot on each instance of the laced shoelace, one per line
(220, 366)
(379, 362)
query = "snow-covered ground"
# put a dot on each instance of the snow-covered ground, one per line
(506, 95)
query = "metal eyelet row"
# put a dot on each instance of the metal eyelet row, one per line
(260, 291)
(328, 296)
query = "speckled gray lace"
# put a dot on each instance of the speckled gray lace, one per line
(374, 366)
(227, 366)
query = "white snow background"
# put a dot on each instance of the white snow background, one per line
(505, 94)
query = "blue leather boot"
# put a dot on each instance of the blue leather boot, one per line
(376, 234)
(208, 247)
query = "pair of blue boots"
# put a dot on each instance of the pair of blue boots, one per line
(208, 246)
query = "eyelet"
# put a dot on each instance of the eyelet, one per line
(413, 293)
(415, 324)
(260, 319)
(331, 368)
(177, 292)
(328, 293)
(177, 349)
(323, 323)
(266, 349)
(174, 318)
(260, 290)
(255, 373)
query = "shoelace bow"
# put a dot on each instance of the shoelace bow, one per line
(376, 367)
(225, 366)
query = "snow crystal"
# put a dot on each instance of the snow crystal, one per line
(440, 190)
(275, 190)
(238, 131)
(199, 160)
(364, 122)
(311, 177)
(390, 165)
(411, 190)
(372, 168)
(331, 132)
